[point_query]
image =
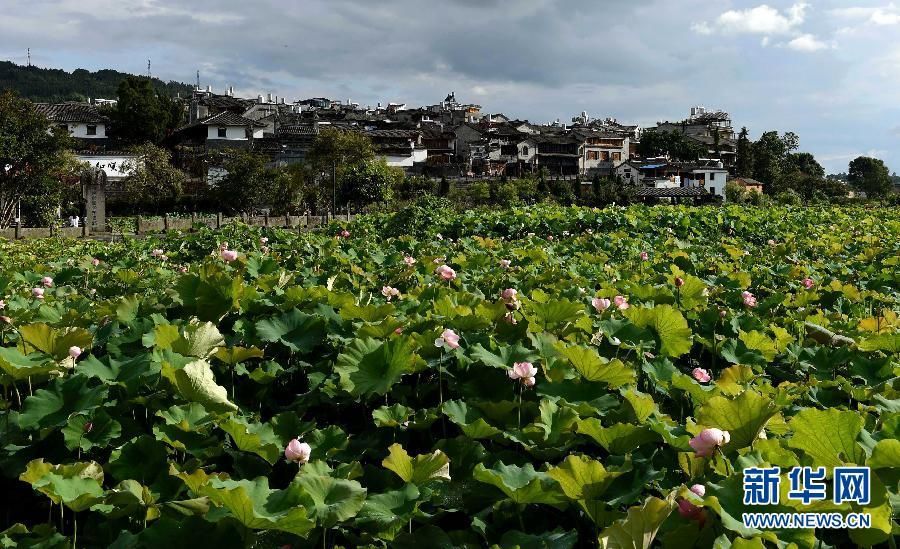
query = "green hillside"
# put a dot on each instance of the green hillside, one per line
(54, 85)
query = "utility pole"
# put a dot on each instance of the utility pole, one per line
(149, 75)
(29, 57)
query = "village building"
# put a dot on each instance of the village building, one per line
(82, 121)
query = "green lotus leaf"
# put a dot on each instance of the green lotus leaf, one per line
(19, 366)
(743, 416)
(638, 529)
(675, 337)
(294, 329)
(619, 438)
(594, 367)
(55, 341)
(389, 512)
(554, 539)
(505, 357)
(889, 343)
(258, 507)
(392, 416)
(885, 455)
(758, 341)
(829, 437)
(196, 382)
(555, 421)
(553, 314)
(52, 407)
(257, 438)
(199, 339)
(330, 500)
(78, 486)
(692, 294)
(91, 431)
(585, 481)
(234, 355)
(420, 470)
(369, 367)
(470, 420)
(522, 485)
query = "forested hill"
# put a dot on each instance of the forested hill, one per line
(55, 85)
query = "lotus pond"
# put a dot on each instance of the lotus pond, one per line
(537, 377)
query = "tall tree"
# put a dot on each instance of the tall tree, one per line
(870, 175)
(152, 180)
(246, 184)
(370, 182)
(32, 157)
(142, 115)
(744, 162)
(770, 153)
(805, 163)
(333, 152)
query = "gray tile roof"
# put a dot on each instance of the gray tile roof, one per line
(71, 112)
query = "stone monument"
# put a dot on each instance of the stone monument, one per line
(93, 188)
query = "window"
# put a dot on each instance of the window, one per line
(604, 156)
(593, 155)
(712, 190)
(223, 133)
(525, 151)
(712, 177)
(92, 130)
(617, 156)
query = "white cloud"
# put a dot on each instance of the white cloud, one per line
(763, 19)
(702, 28)
(808, 43)
(880, 16)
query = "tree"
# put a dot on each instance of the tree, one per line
(770, 154)
(32, 158)
(870, 175)
(142, 115)
(152, 180)
(371, 182)
(338, 150)
(744, 163)
(674, 145)
(246, 182)
(804, 163)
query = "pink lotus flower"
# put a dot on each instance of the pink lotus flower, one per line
(621, 302)
(522, 370)
(708, 440)
(297, 451)
(679, 282)
(398, 330)
(95, 262)
(749, 299)
(345, 234)
(445, 272)
(808, 283)
(687, 509)
(601, 304)
(701, 375)
(449, 339)
(75, 351)
(182, 269)
(550, 238)
(409, 260)
(771, 243)
(723, 313)
(505, 263)
(47, 282)
(528, 381)
(644, 256)
(229, 255)
(38, 293)
(264, 249)
(2, 304)
(264, 240)
(157, 253)
(509, 294)
(389, 292)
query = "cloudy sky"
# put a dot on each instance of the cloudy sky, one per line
(827, 70)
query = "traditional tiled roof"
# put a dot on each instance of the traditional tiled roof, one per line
(394, 134)
(226, 118)
(71, 112)
(226, 102)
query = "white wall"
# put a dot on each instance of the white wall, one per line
(233, 133)
(78, 129)
(112, 164)
(407, 161)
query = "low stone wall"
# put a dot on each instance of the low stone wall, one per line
(147, 226)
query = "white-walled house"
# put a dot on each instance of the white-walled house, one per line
(712, 178)
(80, 120)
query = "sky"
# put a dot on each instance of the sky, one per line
(826, 70)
